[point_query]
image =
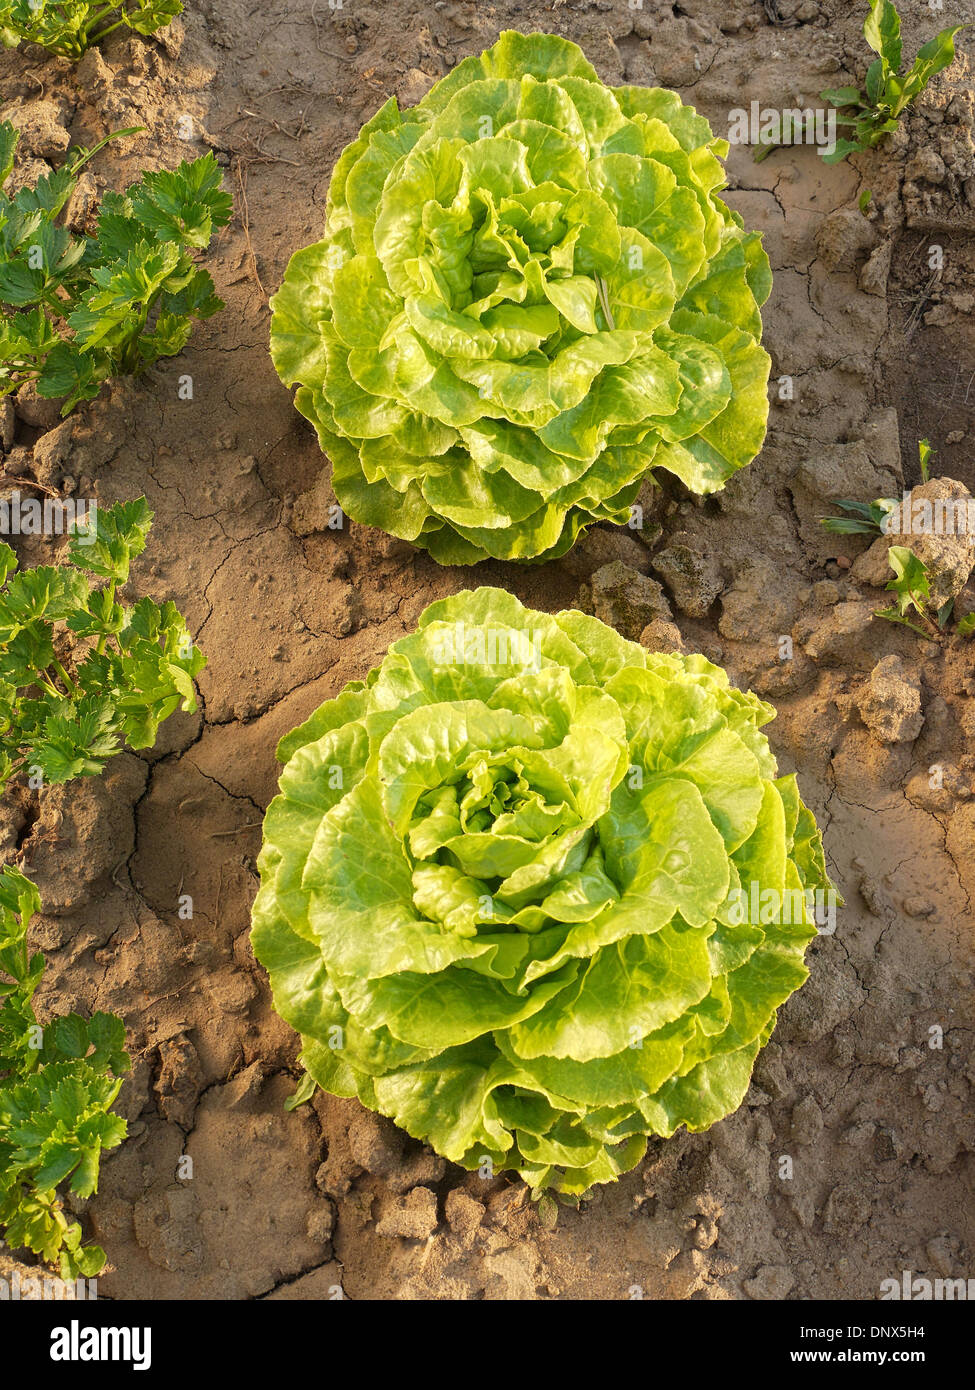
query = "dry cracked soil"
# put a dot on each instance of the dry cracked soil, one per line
(867, 1085)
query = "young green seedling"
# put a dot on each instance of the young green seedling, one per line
(874, 112)
(911, 582)
(57, 1087)
(80, 671)
(864, 519)
(868, 518)
(911, 586)
(77, 312)
(68, 28)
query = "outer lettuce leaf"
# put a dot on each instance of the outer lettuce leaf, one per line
(527, 297)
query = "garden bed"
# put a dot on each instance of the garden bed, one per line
(859, 1089)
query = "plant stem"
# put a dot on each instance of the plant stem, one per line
(100, 644)
(72, 687)
(130, 353)
(96, 18)
(105, 32)
(57, 306)
(85, 155)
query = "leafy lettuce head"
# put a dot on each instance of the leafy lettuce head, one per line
(534, 892)
(528, 296)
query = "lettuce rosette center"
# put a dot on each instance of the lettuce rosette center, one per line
(510, 843)
(527, 297)
(534, 892)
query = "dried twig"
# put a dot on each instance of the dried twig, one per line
(216, 910)
(256, 153)
(920, 304)
(242, 111)
(251, 825)
(239, 168)
(339, 57)
(29, 482)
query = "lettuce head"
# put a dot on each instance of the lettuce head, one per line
(534, 892)
(528, 296)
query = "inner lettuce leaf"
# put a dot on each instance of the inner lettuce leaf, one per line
(534, 892)
(528, 297)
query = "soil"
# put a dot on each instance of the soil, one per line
(852, 1158)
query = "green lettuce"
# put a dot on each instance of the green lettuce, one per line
(528, 297)
(534, 892)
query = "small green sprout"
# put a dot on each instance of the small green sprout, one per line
(57, 1086)
(874, 112)
(68, 28)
